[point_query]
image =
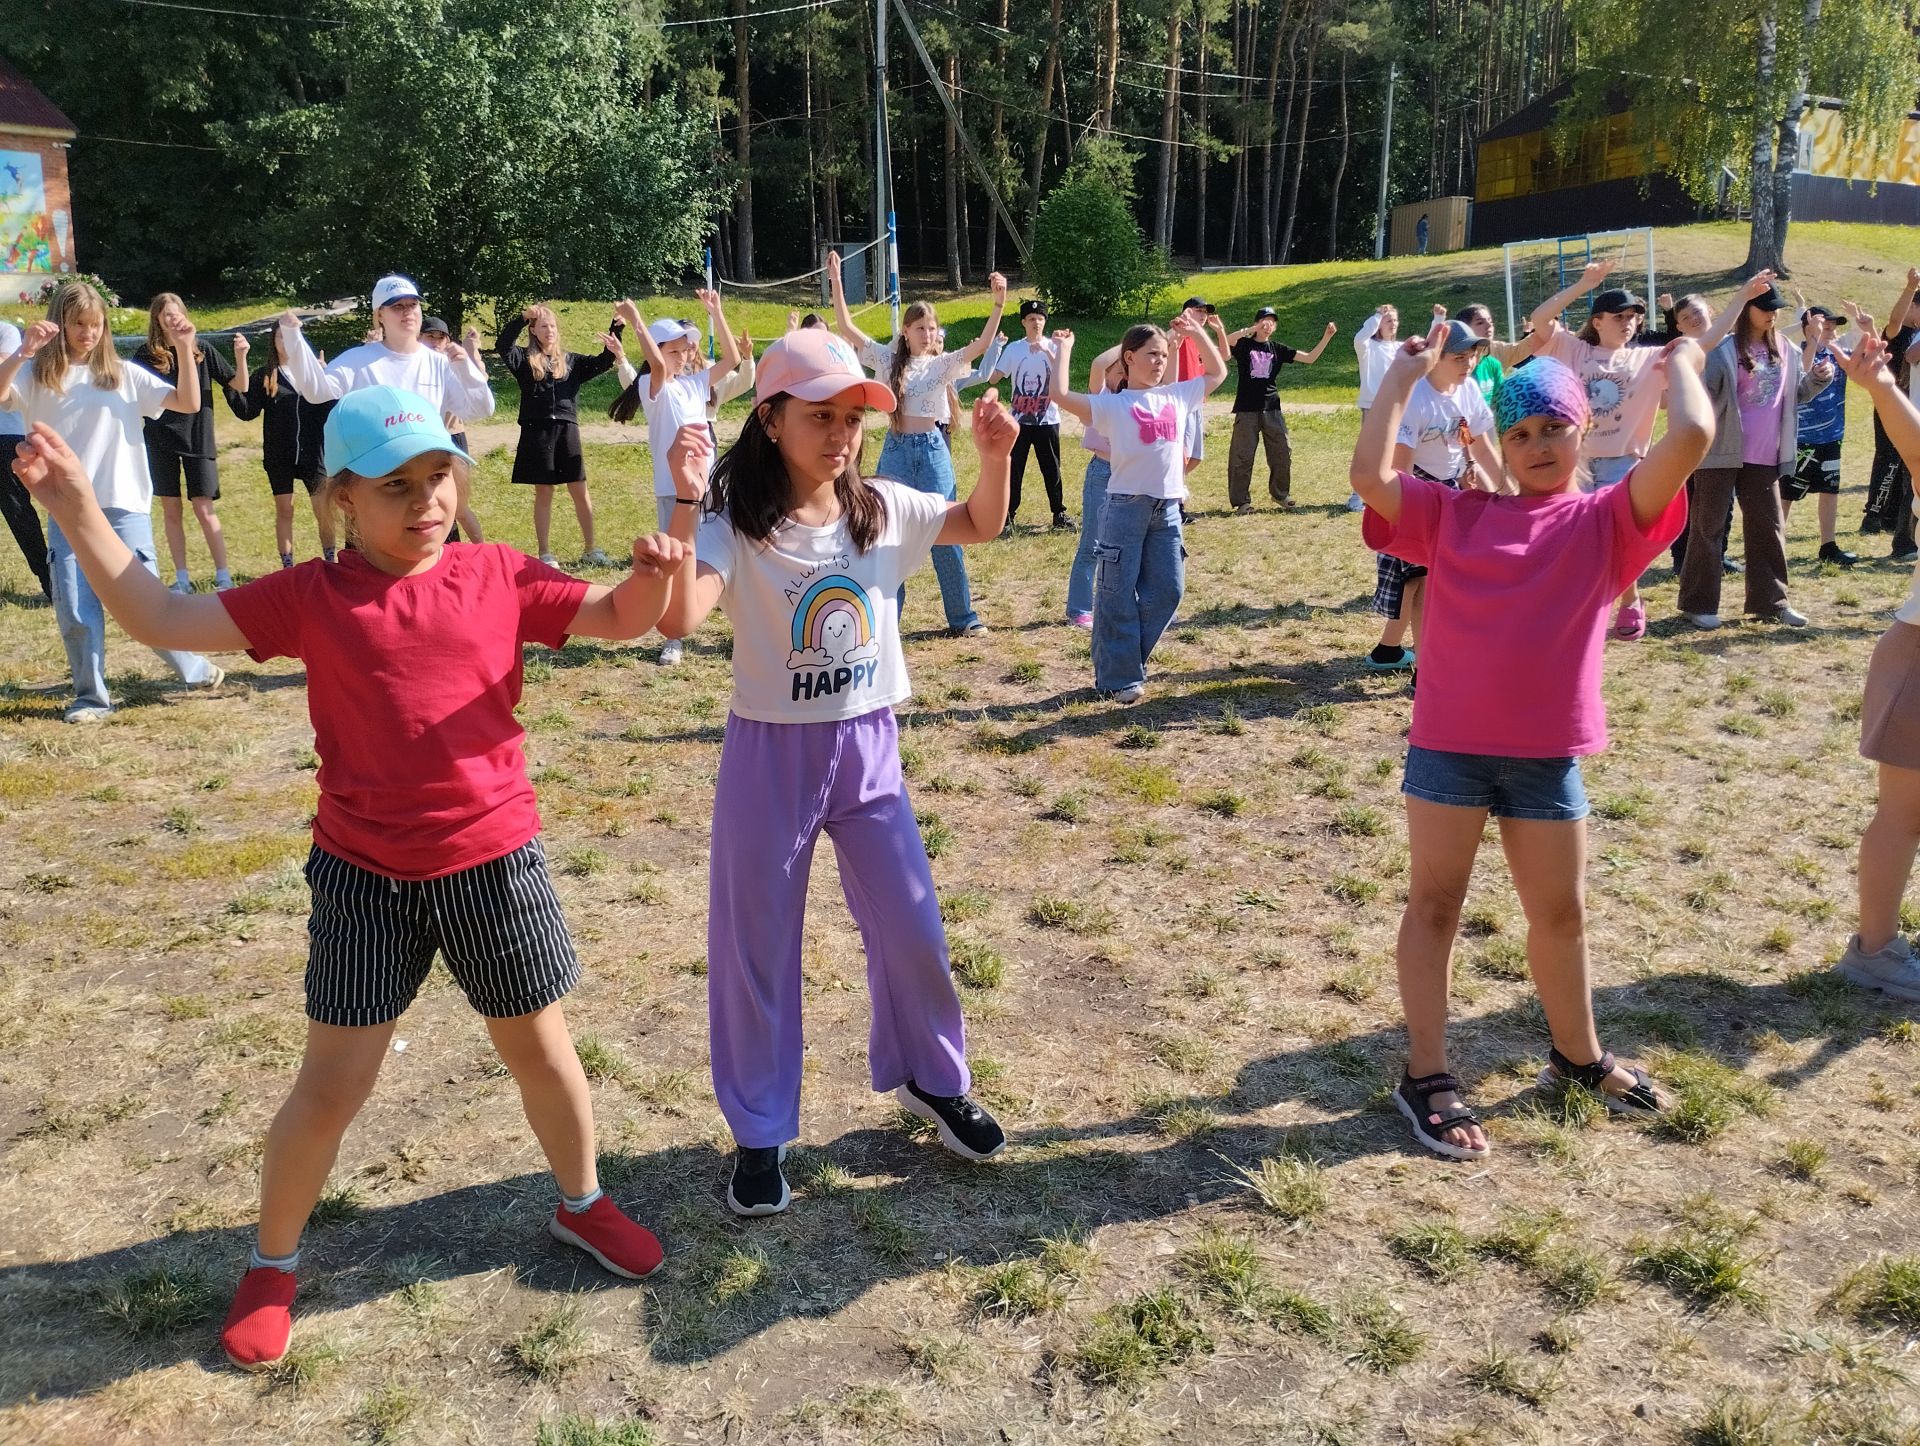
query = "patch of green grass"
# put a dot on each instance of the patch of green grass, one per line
(1323, 718)
(159, 1302)
(935, 833)
(1291, 1186)
(601, 1061)
(1138, 735)
(1885, 1292)
(1520, 1236)
(962, 906)
(337, 1205)
(1026, 672)
(1804, 1159)
(1708, 1095)
(384, 1411)
(1291, 1310)
(1018, 1289)
(1353, 889)
(1068, 807)
(310, 1361)
(1437, 1249)
(1359, 821)
(739, 1272)
(1499, 1373)
(976, 965)
(1183, 1054)
(554, 1346)
(1227, 1269)
(1222, 801)
(1133, 1341)
(1229, 723)
(886, 1234)
(1740, 1421)
(1575, 1275)
(1501, 958)
(1704, 1266)
(586, 1431)
(585, 862)
(1153, 783)
(1383, 1341)
(1050, 912)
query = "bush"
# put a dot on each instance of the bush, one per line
(1089, 255)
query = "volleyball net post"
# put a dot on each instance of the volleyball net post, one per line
(1536, 270)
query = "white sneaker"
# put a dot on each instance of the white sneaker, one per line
(86, 714)
(1354, 503)
(1126, 697)
(1788, 618)
(671, 653)
(1892, 970)
(1706, 622)
(549, 559)
(182, 589)
(594, 557)
(223, 582)
(213, 679)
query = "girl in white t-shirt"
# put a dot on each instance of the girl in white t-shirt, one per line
(807, 559)
(1141, 554)
(675, 389)
(915, 370)
(78, 385)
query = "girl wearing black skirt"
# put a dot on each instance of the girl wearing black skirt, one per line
(290, 432)
(549, 454)
(180, 448)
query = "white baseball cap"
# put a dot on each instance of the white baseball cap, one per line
(668, 330)
(390, 289)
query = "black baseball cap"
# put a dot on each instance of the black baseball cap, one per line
(1195, 303)
(1769, 300)
(1835, 317)
(1033, 306)
(1616, 299)
(1264, 312)
(430, 324)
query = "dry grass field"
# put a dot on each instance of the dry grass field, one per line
(1174, 928)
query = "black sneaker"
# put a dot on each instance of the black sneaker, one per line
(1007, 530)
(964, 1127)
(1833, 552)
(758, 1187)
(1904, 554)
(1871, 525)
(1062, 522)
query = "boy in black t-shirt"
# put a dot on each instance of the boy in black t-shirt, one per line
(1257, 418)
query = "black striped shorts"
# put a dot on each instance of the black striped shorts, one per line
(373, 938)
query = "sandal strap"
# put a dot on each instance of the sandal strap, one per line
(1592, 1076)
(1429, 1084)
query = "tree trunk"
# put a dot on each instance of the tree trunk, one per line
(950, 178)
(813, 153)
(742, 148)
(1042, 125)
(1109, 65)
(999, 141)
(1340, 168)
(1243, 21)
(1787, 147)
(1300, 143)
(1201, 158)
(1267, 204)
(1760, 247)
(1169, 116)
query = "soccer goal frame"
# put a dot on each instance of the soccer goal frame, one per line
(1565, 257)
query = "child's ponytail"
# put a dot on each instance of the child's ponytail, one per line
(626, 406)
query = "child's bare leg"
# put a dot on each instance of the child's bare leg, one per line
(1886, 855)
(1413, 606)
(210, 529)
(469, 521)
(538, 1051)
(323, 524)
(173, 523)
(583, 513)
(542, 519)
(283, 524)
(1829, 510)
(1393, 634)
(335, 1079)
(1442, 840)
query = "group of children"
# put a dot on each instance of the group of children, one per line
(426, 838)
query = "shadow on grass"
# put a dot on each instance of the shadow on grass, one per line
(876, 1205)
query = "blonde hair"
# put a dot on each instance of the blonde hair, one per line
(77, 301)
(545, 361)
(326, 497)
(159, 347)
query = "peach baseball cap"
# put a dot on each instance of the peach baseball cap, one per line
(813, 364)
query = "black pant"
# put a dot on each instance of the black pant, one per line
(1890, 491)
(1044, 442)
(22, 520)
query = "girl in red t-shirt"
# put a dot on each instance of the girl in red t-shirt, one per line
(426, 838)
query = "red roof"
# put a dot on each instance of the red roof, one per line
(23, 107)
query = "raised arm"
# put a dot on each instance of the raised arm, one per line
(1590, 277)
(696, 588)
(842, 318)
(984, 514)
(1672, 459)
(37, 336)
(1899, 313)
(729, 348)
(308, 373)
(657, 368)
(1372, 471)
(1215, 367)
(138, 600)
(1308, 358)
(1067, 400)
(1368, 330)
(1868, 367)
(1722, 327)
(185, 396)
(238, 381)
(507, 345)
(631, 609)
(977, 348)
(1102, 364)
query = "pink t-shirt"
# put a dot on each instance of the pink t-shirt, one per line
(411, 686)
(1623, 393)
(1761, 397)
(1516, 612)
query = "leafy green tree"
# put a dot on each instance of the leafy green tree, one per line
(494, 151)
(1089, 253)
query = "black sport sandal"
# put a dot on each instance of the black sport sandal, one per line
(1430, 1125)
(1642, 1102)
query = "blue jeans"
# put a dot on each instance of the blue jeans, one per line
(83, 622)
(1093, 497)
(920, 460)
(1141, 572)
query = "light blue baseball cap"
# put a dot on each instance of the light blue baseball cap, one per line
(379, 430)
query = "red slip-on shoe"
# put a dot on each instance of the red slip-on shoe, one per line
(260, 1320)
(610, 1238)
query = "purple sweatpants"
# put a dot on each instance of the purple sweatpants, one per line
(779, 785)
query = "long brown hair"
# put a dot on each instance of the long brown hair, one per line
(752, 490)
(76, 300)
(902, 354)
(1136, 337)
(545, 361)
(159, 348)
(1744, 334)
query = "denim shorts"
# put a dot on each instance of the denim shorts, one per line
(1549, 789)
(1605, 471)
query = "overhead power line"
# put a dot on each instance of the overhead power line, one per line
(246, 14)
(750, 15)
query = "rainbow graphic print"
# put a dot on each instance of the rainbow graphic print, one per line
(834, 622)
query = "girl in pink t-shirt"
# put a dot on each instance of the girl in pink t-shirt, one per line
(1516, 625)
(426, 839)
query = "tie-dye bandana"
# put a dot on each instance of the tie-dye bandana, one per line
(1541, 388)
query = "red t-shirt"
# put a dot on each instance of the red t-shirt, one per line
(411, 686)
(1187, 360)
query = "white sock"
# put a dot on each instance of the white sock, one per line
(580, 1204)
(223, 577)
(180, 576)
(257, 1261)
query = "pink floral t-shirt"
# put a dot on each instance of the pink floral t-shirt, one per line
(1516, 614)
